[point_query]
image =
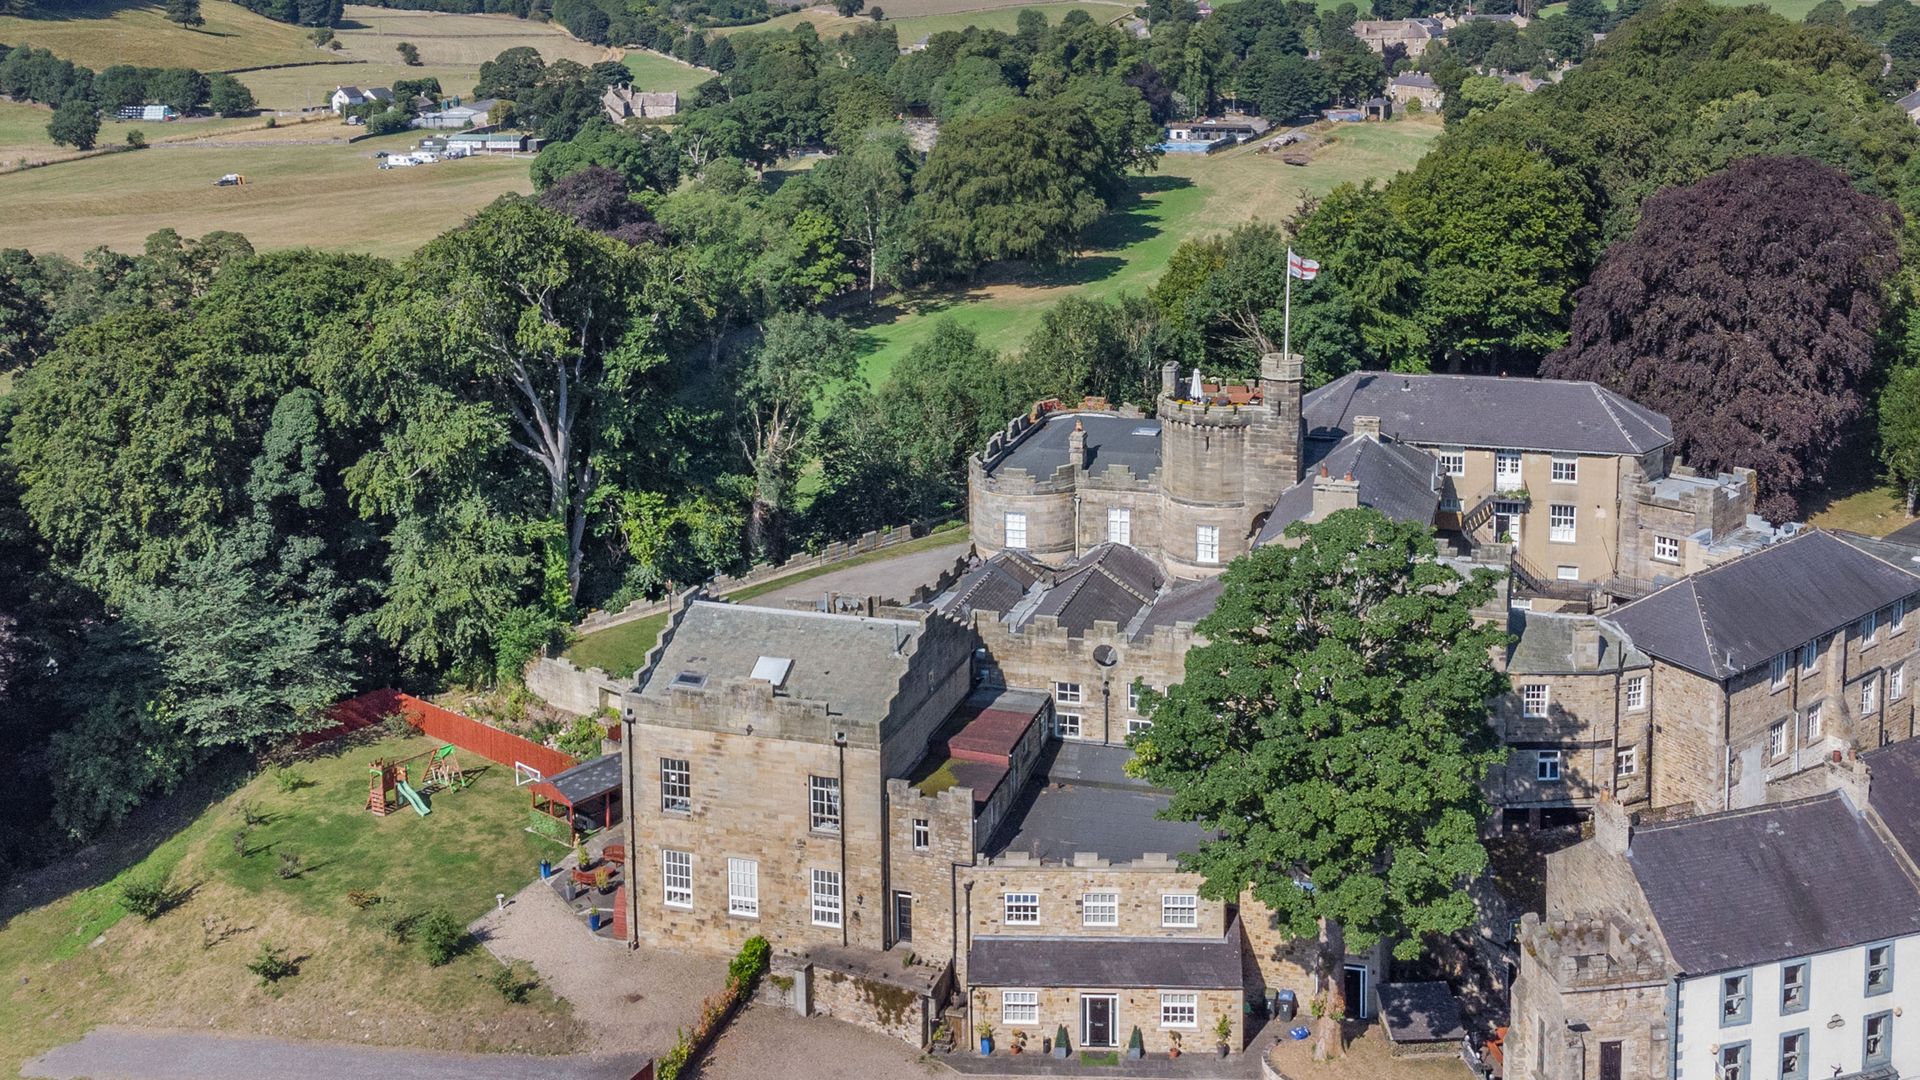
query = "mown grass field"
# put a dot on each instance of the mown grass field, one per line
(100, 33)
(659, 72)
(23, 132)
(1188, 196)
(306, 187)
(935, 17)
(81, 961)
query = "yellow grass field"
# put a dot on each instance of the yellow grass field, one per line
(915, 19)
(23, 132)
(100, 33)
(306, 187)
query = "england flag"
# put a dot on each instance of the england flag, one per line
(1304, 269)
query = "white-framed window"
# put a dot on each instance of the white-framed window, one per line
(1533, 699)
(1506, 469)
(1736, 1001)
(1138, 724)
(1626, 761)
(1133, 697)
(1666, 548)
(1793, 986)
(1067, 724)
(1067, 693)
(1897, 621)
(823, 803)
(1897, 682)
(1100, 909)
(1022, 909)
(1016, 529)
(1453, 462)
(1734, 1060)
(1869, 698)
(1566, 469)
(1879, 969)
(824, 894)
(1206, 544)
(1560, 521)
(1018, 1007)
(1567, 573)
(1179, 1010)
(1179, 910)
(1777, 739)
(1636, 693)
(676, 878)
(1119, 525)
(1809, 658)
(1816, 724)
(1546, 766)
(922, 834)
(1869, 628)
(1777, 670)
(743, 887)
(676, 786)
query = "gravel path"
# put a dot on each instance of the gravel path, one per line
(768, 1040)
(632, 1001)
(115, 1053)
(891, 579)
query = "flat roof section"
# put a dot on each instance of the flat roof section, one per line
(993, 723)
(1086, 803)
(1111, 440)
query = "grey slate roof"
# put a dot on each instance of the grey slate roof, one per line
(997, 584)
(1744, 612)
(1486, 411)
(1544, 645)
(1109, 583)
(1420, 1012)
(1108, 963)
(1418, 80)
(1086, 802)
(1396, 479)
(589, 779)
(1751, 887)
(850, 662)
(1184, 602)
(1895, 793)
(1111, 440)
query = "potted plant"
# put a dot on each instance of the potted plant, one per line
(1173, 1047)
(1136, 1049)
(1060, 1041)
(942, 1038)
(1223, 1029)
(1018, 1045)
(986, 1039)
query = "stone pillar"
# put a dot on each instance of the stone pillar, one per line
(1169, 378)
(1368, 426)
(1282, 380)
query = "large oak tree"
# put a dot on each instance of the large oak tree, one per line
(1745, 307)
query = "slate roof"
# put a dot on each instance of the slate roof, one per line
(588, 780)
(1420, 1012)
(1418, 80)
(1111, 440)
(995, 585)
(1755, 886)
(1486, 411)
(1544, 645)
(1742, 613)
(1398, 480)
(851, 663)
(1110, 583)
(1086, 802)
(1184, 602)
(1118, 963)
(1910, 102)
(1909, 533)
(1895, 793)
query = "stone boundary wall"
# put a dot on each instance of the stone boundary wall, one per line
(570, 688)
(839, 551)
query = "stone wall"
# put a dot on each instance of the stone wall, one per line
(872, 1004)
(1060, 1006)
(931, 875)
(572, 689)
(1588, 723)
(1043, 653)
(1281, 961)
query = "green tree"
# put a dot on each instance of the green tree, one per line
(1333, 733)
(229, 96)
(75, 123)
(798, 355)
(868, 189)
(409, 53)
(849, 8)
(1900, 429)
(185, 12)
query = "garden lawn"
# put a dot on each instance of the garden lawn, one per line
(658, 72)
(1188, 196)
(80, 961)
(618, 650)
(305, 187)
(1875, 511)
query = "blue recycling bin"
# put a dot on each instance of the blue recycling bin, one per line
(1285, 1006)
(546, 869)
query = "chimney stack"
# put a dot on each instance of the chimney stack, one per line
(1586, 644)
(1331, 494)
(1077, 445)
(1612, 826)
(1367, 425)
(1169, 378)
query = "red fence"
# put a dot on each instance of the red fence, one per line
(448, 726)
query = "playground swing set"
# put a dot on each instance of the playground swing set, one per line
(443, 773)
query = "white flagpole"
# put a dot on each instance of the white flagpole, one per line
(1286, 317)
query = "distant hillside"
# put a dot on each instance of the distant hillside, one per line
(102, 33)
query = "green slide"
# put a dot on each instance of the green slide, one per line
(406, 792)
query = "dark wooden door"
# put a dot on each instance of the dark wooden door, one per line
(1609, 1061)
(1355, 988)
(903, 916)
(1099, 1021)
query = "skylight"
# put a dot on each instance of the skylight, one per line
(772, 669)
(689, 680)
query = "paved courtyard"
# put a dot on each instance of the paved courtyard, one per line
(892, 579)
(116, 1053)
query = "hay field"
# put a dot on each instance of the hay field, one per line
(452, 48)
(100, 33)
(659, 72)
(933, 16)
(306, 187)
(23, 132)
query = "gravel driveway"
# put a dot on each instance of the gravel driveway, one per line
(769, 1040)
(632, 1001)
(111, 1053)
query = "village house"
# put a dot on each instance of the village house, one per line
(1413, 34)
(622, 103)
(1411, 86)
(1756, 942)
(347, 97)
(1910, 104)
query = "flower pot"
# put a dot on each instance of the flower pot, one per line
(1173, 1052)
(986, 1046)
(1060, 1051)
(546, 869)
(593, 923)
(1134, 1055)
(1223, 1049)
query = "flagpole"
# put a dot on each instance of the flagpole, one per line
(1286, 317)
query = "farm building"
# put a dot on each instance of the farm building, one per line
(624, 103)
(490, 142)
(146, 112)
(453, 114)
